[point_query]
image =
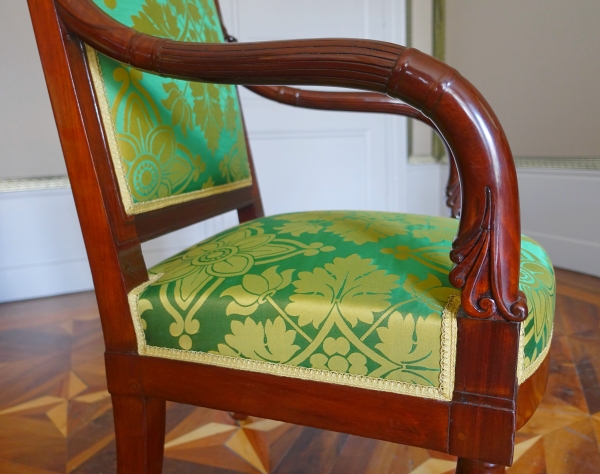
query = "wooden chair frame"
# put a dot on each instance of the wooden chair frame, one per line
(488, 406)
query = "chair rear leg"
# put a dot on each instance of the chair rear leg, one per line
(140, 434)
(466, 466)
(238, 416)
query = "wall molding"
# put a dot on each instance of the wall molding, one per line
(559, 210)
(539, 162)
(438, 51)
(583, 163)
(536, 162)
(42, 252)
(34, 184)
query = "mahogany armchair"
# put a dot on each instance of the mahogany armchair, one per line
(374, 324)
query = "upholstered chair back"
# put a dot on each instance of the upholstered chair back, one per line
(170, 141)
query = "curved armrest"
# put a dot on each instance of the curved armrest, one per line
(487, 249)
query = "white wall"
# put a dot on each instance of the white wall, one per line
(536, 62)
(561, 210)
(29, 143)
(41, 249)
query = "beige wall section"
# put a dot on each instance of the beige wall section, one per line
(536, 62)
(29, 145)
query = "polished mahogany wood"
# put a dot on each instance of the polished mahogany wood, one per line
(487, 248)
(484, 394)
(342, 101)
(479, 423)
(140, 433)
(531, 393)
(117, 267)
(466, 466)
(375, 414)
(453, 193)
(326, 100)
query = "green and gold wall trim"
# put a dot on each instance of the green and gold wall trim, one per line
(570, 163)
(11, 185)
(8, 185)
(438, 50)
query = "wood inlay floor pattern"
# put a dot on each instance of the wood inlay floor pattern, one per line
(56, 415)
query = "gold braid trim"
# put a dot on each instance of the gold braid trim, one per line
(447, 358)
(133, 298)
(448, 347)
(130, 206)
(523, 373)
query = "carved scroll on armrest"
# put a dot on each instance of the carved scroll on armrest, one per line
(487, 249)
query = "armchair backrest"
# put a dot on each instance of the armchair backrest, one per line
(170, 141)
(140, 162)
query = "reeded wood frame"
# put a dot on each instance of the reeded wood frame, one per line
(479, 424)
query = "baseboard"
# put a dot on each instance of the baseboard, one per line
(42, 251)
(45, 279)
(570, 254)
(559, 208)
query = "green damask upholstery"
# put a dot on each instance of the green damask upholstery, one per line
(170, 140)
(356, 298)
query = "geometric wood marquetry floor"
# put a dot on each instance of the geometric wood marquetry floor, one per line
(56, 415)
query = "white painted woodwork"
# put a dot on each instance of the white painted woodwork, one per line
(314, 159)
(560, 209)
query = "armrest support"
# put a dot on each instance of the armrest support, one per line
(453, 197)
(341, 101)
(487, 249)
(360, 102)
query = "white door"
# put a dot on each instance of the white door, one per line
(306, 159)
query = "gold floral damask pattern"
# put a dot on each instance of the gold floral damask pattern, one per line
(171, 140)
(358, 298)
(538, 283)
(318, 302)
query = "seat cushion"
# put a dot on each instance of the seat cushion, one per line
(356, 298)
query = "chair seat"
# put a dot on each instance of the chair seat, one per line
(346, 297)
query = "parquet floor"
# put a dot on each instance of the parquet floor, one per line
(56, 416)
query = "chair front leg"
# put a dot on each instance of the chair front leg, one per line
(466, 466)
(140, 434)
